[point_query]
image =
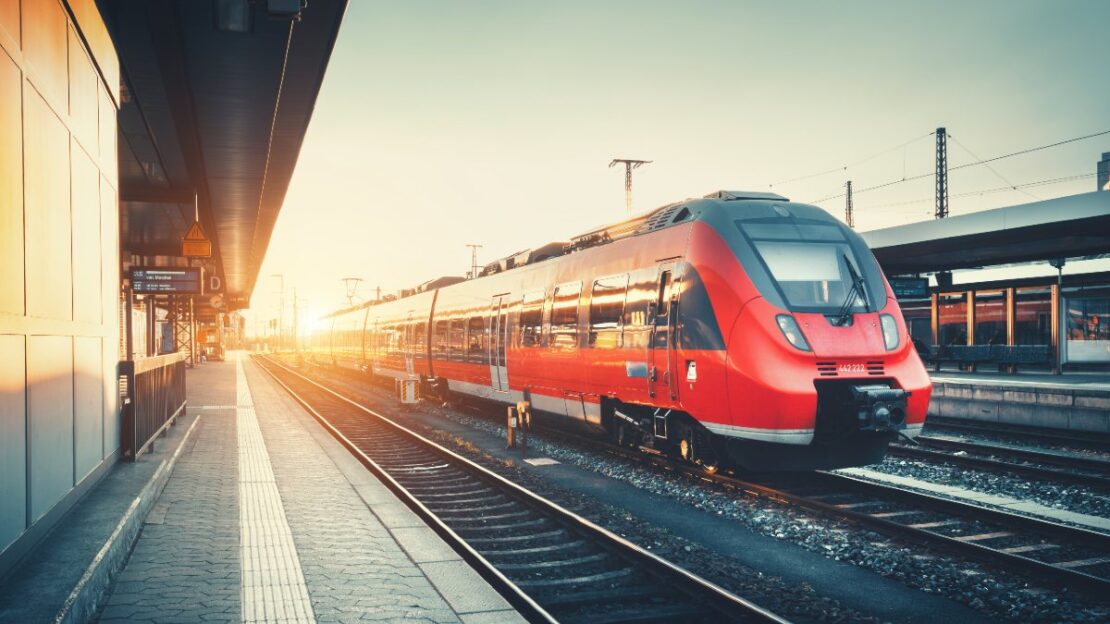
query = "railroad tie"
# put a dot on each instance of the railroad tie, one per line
(1082, 563)
(983, 536)
(933, 525)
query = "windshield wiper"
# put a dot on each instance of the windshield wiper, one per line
(859, 288)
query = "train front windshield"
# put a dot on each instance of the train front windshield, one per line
(809, 264)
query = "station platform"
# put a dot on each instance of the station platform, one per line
(248, 511)
(1072, 401)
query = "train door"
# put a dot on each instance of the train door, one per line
(661, 381)
(410, 345)
(499, 342)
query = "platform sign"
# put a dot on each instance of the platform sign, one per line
(196, 244)
(910, 287)
(166, 281)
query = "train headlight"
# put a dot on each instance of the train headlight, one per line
(792, 332)
(890, 331)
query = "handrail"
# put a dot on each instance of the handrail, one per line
(146, 364)
(152, 392)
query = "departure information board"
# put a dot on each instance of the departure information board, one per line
(910, 287)
(165, 281)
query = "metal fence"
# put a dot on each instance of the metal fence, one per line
(153, 392)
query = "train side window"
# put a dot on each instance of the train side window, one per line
(531, 318)
(399, 339)
(457, 339)
(564, 315)
(606, 309)
(476, 351)
(419, 339)
(439, 342)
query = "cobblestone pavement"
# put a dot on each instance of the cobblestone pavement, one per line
(185, 566)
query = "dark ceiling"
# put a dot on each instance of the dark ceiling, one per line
(214, 108)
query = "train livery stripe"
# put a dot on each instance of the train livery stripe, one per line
(780, 436)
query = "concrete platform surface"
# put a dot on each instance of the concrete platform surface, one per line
(1073, 401)
(1070, 381)
(265, 518)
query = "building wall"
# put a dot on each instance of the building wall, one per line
(59, 260)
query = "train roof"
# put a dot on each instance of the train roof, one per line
(756, 205)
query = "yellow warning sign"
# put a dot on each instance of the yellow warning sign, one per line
(196, 244)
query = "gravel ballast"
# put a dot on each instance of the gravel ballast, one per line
(999, 595)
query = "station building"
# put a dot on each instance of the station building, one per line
(1046, 305)
(122, 124)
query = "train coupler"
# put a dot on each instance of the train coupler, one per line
(880, 407)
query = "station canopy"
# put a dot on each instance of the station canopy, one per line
(216, 99)
(1071, 227)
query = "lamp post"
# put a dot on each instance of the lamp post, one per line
(281, 312)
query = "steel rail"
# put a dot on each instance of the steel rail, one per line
(1095, 586)
(722, 600)
(987, 456)
(1091, 440)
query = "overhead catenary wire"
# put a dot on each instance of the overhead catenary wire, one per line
(988, 191)
(975, 163)
(991, 169)
(857, 163)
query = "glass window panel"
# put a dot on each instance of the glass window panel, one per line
(952, 326)
(419, 339)
(457, 340)
(919, 320)
(1087, 329)
(439, 340)
(1033, 316)
(990, 318)
(531, 318)
(606, 310)
(564, 315)
(476, 338)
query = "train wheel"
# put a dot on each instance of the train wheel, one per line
(698, 449)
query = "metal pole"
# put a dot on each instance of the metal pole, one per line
(629, 165)
(129, 308)
(1058, 341)
(942, 173)
(192, 335)
(848, 218)
(474, 247)
(281, 313)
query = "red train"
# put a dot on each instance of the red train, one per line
(738, 328)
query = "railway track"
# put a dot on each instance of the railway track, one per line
(1091, 441)
(1050, 552)
(1026, 462)
(550, 563)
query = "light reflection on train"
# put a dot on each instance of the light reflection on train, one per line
(735, 328)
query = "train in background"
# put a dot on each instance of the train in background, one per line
(737, 328)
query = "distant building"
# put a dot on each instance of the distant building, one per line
(1104, 172)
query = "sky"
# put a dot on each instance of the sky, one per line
(440, 124)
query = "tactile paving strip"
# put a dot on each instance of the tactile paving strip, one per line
(273, 586)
